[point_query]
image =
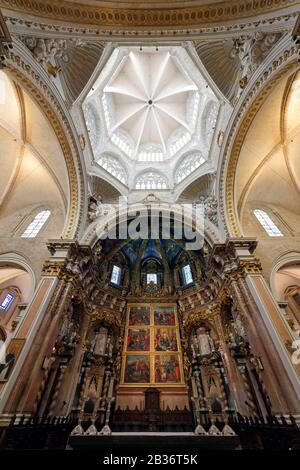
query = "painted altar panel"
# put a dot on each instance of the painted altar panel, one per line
(167, 369)
(138, 339)
(139, 315)
(165, 339)
(137, 369)
(164, 315)
(152, 353)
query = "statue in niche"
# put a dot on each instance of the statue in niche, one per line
(237, 338)
(239, 327)
(103, 272)
(69, 335)
(109, 346)
(99, 342)
(98, 250)
(210, 207)
(203, 343)
(95, 208)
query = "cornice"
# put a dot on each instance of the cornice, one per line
(142, 16)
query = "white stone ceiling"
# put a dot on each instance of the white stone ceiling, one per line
(150, 96)
(151, 106)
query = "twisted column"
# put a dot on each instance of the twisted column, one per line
(61, 372)
(222, 389)
(263, 390)
(105, 390)
(83, 387)
(199, 387)
(248, 391)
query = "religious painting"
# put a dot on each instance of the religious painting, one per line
(139, 315)
(152, 354)
(164, 316)
(12, 353)
(167, 369)
(137, 369)
(138, 339)
(165, 339)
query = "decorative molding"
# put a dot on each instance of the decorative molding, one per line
(72, 59)
(53, 268)
(155, 17)
(5, 39)
(232, 61)
(107, 318)
(28, 26)
(250, 267)
(195, 319)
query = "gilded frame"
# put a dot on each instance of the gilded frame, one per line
(152, 353)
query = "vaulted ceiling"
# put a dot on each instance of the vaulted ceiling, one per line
(33, 172)
(268, 171)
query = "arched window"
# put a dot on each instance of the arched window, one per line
(113, 166)
(115, 277)
(267, 223)
(187, 275)
(189, 164)
(35, 226)
(151, 277)
(7, 301)
(151, 180)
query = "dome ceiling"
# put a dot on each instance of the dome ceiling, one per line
(153, 103)
(152, 106)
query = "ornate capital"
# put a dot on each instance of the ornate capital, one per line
(53, 268)
(250, 267)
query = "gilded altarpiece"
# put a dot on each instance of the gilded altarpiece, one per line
(152, 352)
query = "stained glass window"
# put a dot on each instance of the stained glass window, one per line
(115, 275)
(152, 277)
(187, 274)
(7, 301)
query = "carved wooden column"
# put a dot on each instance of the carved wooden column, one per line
(68, 387)
(235, 383)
